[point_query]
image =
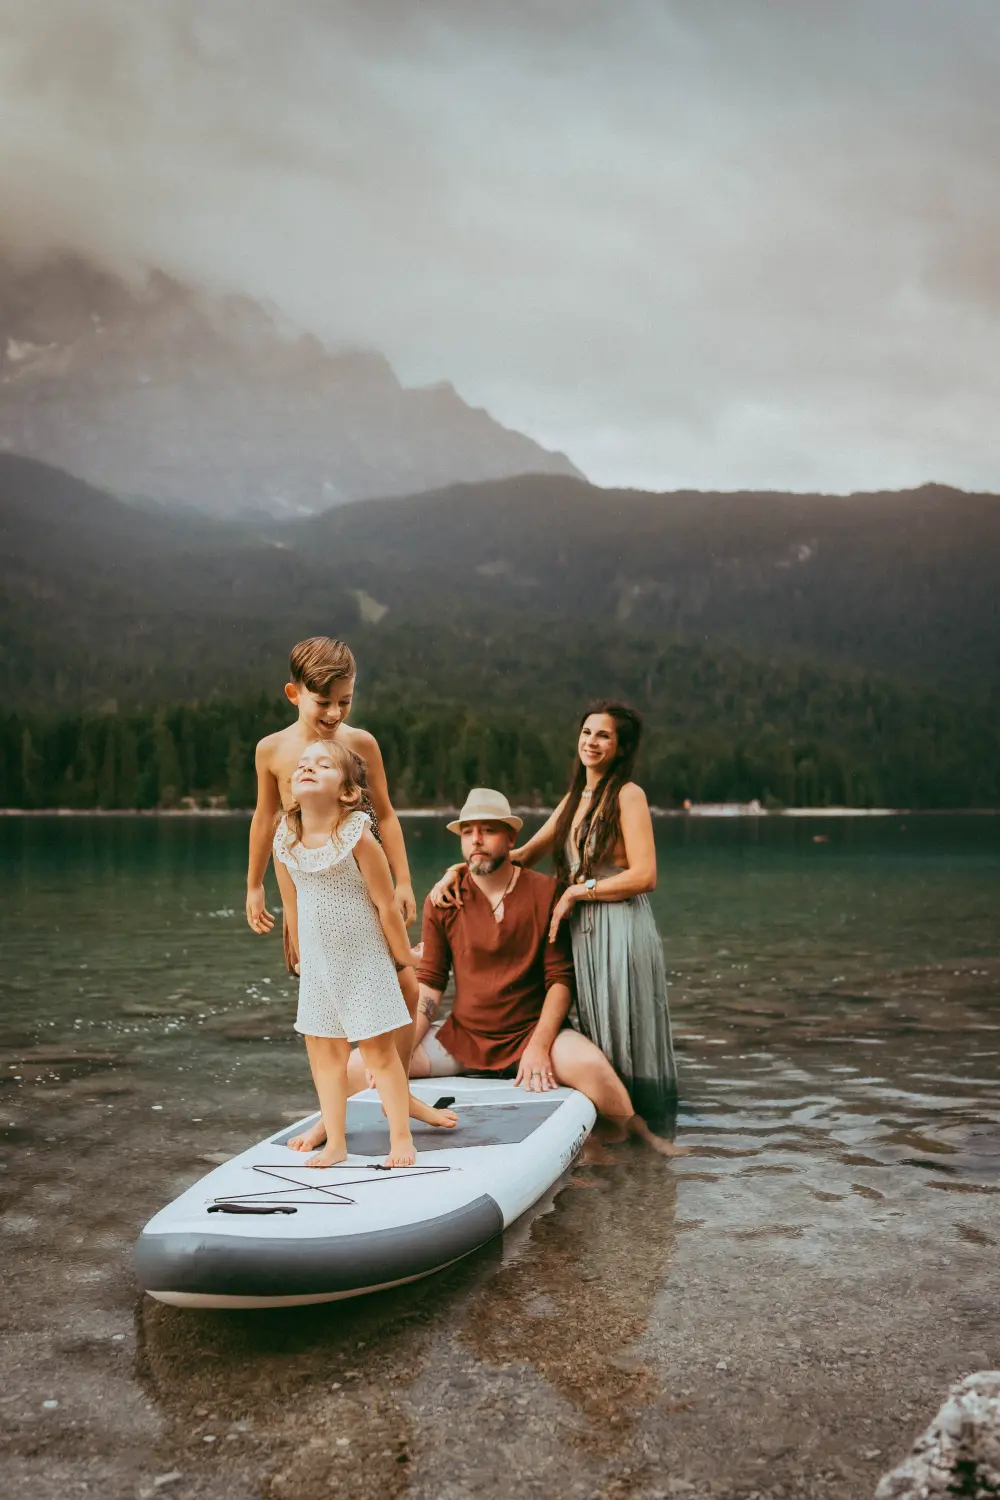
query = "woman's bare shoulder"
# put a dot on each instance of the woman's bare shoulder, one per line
(632, 795)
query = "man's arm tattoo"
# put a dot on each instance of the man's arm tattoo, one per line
(427, 1006)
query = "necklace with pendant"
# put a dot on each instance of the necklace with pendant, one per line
(513, 877)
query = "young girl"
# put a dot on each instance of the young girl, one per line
(349, 936)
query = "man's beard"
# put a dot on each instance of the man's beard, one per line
(485, 864)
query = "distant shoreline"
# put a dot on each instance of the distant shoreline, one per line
(703, 810)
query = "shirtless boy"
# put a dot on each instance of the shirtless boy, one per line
(322, 676)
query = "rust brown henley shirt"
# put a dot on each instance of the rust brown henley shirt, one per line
(503, 970)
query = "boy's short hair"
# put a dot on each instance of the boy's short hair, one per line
(319, 661)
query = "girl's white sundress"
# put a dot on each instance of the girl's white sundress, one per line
(348, 986)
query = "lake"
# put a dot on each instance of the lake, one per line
(778, 1313)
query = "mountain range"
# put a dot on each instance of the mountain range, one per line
(160, 392)
(501, 588)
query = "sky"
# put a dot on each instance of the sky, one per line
(732, 244)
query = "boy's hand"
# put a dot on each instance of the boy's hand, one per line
(406, 904)
(258, 916)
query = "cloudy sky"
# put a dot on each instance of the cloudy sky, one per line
(726, 244)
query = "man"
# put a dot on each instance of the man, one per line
(513, 988)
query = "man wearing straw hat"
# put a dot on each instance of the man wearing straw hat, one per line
(513, 988)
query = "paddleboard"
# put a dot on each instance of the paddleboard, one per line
(265, 1230)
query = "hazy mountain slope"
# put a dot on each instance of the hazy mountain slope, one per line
(897, 581)
(162, 393)
(503, 591)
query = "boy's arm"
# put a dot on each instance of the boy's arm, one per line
(389, 827)
(290, 908)
(261, 837)
(375, 868)
(286, 890)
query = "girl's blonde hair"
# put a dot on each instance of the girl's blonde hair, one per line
(353, 792)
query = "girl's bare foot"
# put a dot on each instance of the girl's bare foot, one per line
(328, 1157)
(309, 1139)
(428, 1115)
(402, 1153)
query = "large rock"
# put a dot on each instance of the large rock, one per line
(959, 1453)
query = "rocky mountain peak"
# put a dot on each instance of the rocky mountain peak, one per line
(160, 390)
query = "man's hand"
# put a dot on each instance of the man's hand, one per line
(406, 904)
(535, 1069)
(445, 892)
(563, 908)
(258, 916)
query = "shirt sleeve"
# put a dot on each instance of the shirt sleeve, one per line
(435, 966)
(558, 955)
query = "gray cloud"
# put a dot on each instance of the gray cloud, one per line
(752, 242)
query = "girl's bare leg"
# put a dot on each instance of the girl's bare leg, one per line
(381, 1058)
(328, 1057)
(447, 1119)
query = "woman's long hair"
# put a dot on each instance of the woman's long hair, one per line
(600, 827)
(353, 793)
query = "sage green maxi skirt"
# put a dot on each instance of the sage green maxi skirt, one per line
(621, 997)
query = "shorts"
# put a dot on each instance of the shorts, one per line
(443, 1065)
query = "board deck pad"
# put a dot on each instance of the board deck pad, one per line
(478, 1125)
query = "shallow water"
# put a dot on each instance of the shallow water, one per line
(831, 1243)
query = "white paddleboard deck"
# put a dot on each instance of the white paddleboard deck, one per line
(265, 1230)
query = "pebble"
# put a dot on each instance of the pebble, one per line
(722, 1365)
(171, 1478)
(50, 1405)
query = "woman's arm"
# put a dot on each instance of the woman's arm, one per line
(374, 868)
(540, 843)
(389, 826)
(639, 874)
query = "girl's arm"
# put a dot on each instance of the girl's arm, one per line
(640, 853)
(261, 834)
(374, 868)
(540, 843)
(389, 826)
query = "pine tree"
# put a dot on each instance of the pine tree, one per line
(128, 766)
(107, 780)
(239, 780)
(31, 768)
(168, 767)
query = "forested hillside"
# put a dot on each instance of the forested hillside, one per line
(142, 651)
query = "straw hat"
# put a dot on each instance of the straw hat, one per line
(483, 805)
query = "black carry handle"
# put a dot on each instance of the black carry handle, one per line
(250, 1208)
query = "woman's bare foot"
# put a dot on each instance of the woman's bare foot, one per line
(330, 1156)
(309, 1139)
(659, 1143)
(402, 1153)
(428, 1115)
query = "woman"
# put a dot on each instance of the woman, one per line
(601, 840)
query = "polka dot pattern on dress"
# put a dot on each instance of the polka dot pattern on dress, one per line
(348, 985)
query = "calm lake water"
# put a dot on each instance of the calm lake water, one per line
(836, 1007)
